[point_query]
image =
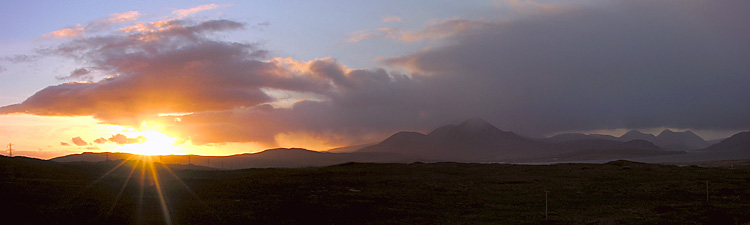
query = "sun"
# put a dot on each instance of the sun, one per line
(155, 143)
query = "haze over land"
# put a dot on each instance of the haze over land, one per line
(229, 78)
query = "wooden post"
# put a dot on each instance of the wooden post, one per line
(546, 212)
(706, 191)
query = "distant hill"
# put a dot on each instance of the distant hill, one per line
(739, 143)
(579, 136)
(94, 157)
(281, 157)
(681, 141)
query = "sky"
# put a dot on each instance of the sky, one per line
(231, 77)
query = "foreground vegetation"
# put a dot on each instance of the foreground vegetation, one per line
(618, 192)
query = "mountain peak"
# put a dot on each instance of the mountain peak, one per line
(634, 132)
(476, 124)
(635, 135)
(685, 140)
(666, 131)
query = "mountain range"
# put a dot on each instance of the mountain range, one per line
(474, 140)
(667, 139)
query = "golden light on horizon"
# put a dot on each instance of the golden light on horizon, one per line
(154, 143)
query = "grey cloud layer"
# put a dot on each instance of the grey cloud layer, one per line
(638, 64)
(631, 64)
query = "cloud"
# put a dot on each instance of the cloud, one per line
(79, 141)
(124, 140)
(432, 32)
(171, 70)
(443, 29)
(64, 144)
(262, 25)
(634, 64)
(65, 33)
(525, 5)
(77, 74)
(100, 140)
(2, 69)
(94, 26)
(19, 58)
(181, 13)
(392, 19)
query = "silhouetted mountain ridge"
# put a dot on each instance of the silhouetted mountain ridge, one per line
(476, 140)
(739, 142)
(667, 139)
(279, 157)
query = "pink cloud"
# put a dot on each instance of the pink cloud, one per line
(186, 12)
(94, 26)
(65, 33)
(392, 19)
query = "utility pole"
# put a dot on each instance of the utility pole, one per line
(546, 214)
(106, 154)
(10, 149)
(188, 159)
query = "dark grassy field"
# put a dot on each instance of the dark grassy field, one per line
(437, 193)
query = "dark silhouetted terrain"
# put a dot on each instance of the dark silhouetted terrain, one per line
(271, 158)
(620, 192)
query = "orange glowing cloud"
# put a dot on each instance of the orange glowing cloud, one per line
(95, 26)
(186, 12)
(65, 33)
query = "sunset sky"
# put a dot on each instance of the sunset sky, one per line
(221, 78)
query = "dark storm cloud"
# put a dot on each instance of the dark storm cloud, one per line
(633, 64)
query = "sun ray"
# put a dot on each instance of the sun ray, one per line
(122, 189)
(140, 192)
(157, 184)
(211, 210)
(109, 172)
